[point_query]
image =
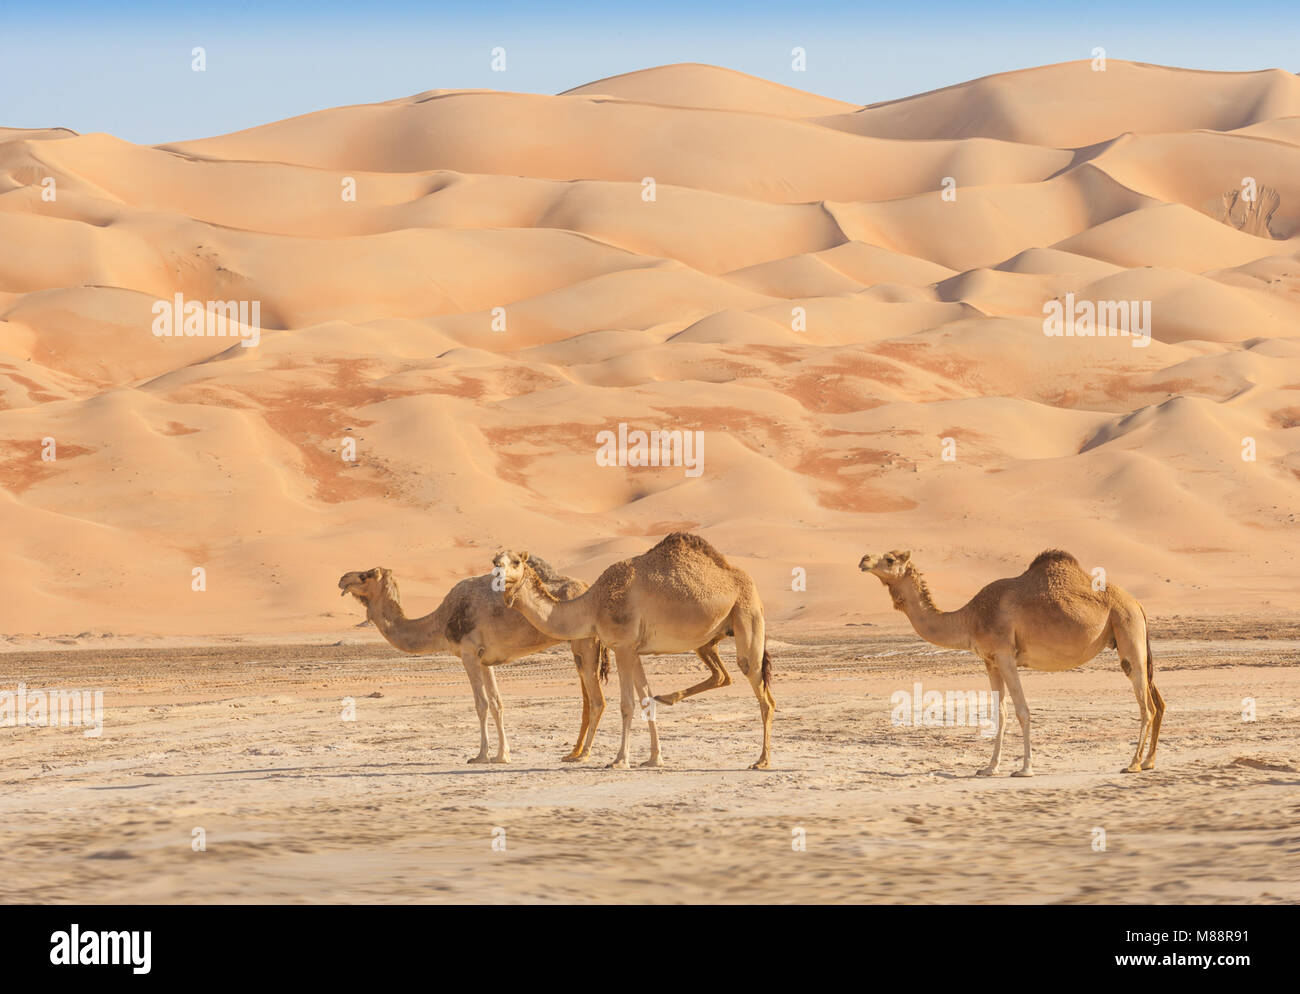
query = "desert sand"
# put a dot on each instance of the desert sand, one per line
(245, 741)
(467, 288)
(475, 429)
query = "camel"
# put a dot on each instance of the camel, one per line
(681, 595)
(1048, 618)
(471, 623)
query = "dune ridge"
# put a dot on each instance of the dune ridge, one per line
(795, 284)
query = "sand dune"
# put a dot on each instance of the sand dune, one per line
(710, 88)
(1071, 105)
(793, 283)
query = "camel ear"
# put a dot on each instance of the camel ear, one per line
(904, 556)
(523, 557)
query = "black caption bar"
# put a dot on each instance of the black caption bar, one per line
(141, 945)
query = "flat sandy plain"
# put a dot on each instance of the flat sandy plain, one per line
(244, 739)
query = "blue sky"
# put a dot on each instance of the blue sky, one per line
(124, 67)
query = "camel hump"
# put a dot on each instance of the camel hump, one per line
(684, 543)
(565, 588)
(544, 570)
(1054, 557)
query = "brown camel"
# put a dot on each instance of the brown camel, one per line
(1048, 618)
(680, 595)
(471, 623)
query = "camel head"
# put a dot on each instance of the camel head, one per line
(508, 568)
(888, 566)
(367, 586)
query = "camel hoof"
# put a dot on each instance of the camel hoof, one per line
(1132, 768)
(1149, 765)
(500, 759)
(988, 771)
(666, 700)
(762, 764)
(1023, 773)
(477, 759)
(571, 758)
(618, 764)
(653, 762)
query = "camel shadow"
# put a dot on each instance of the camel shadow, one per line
(368, 770)
(418, 769)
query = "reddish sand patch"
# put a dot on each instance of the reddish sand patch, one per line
(957, 368)
(36, 393)
(841, 492)
(21, 465)
(1287, 417)
(315, 420)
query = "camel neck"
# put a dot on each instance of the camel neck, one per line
(558, 619)
(942, 628)
(408, 635)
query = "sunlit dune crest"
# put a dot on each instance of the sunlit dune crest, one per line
(469, 287)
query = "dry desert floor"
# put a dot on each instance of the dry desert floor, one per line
(245, 740)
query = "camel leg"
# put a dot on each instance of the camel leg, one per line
(623, 660)
(751, 647)
(1011, 677)
(718, 677)
(474, 670)
(1130, 642)
(999, 691)
(1158, 700)
(576, 752)
(1146, 711)
(645, 700)
(494, 702)
(593, 698)
(1135, 644)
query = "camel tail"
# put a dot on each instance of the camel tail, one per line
(767, 668)
(1151, 667)
(602, 651)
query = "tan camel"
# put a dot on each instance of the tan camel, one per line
(680, 595)
(1047, 618)
(471, 623)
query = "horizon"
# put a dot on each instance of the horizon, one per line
(129, 73)
(668, 65)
